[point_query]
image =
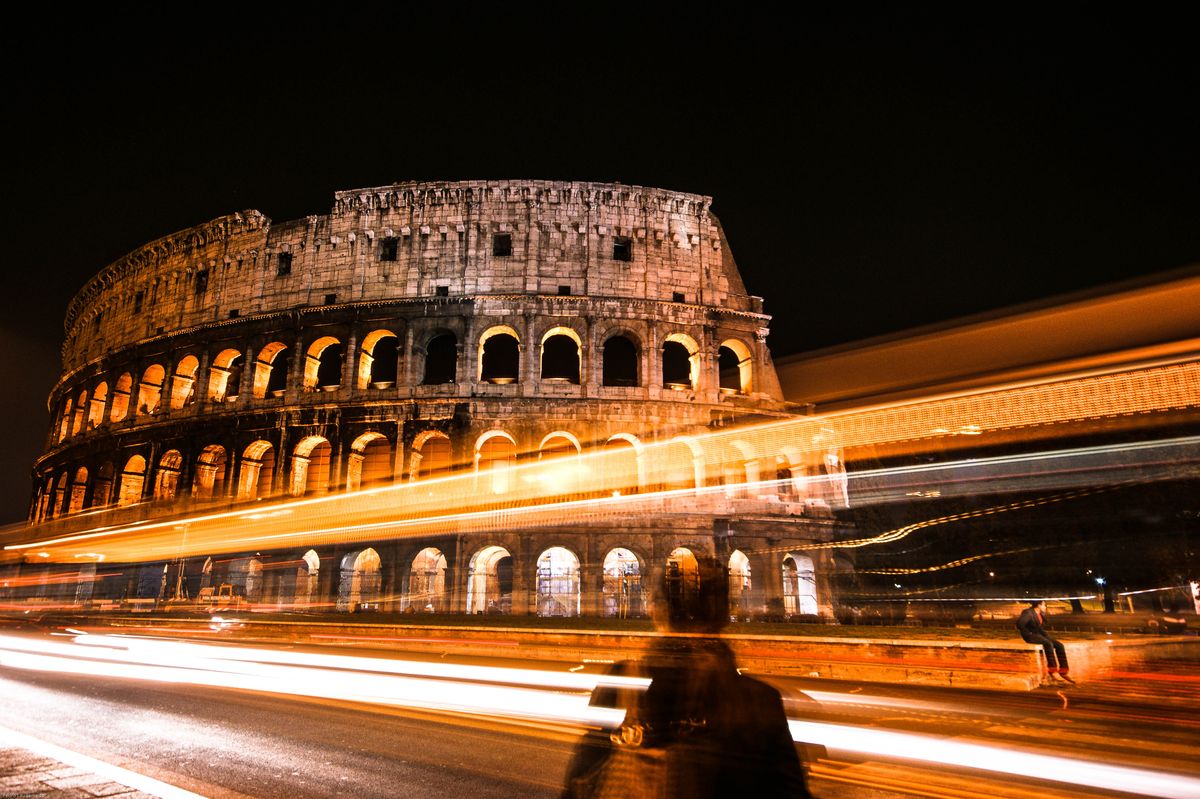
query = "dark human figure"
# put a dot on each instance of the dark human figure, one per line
(1029, 624)
(699, 729)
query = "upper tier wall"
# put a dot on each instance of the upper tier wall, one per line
(562, 235)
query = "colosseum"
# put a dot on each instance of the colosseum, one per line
(418, 332)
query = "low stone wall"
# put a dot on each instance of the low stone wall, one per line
(995, 665)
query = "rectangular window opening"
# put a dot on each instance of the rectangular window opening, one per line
(564, 291)
(388, 248)
(283, 264)
(678, 297)
(202, 282)
(235, 313)
(441, 291)
(330, 299)
(137, 301)
(502, 245)
(622, 248)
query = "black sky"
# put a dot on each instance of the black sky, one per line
(874, 169)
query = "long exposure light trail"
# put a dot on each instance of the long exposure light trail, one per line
(525, 695)
(464, 502)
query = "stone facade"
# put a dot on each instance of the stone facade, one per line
(416, 330)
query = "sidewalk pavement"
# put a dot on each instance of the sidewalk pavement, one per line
(28, 774)
(31, 767)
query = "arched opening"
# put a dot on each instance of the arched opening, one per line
(620, 362)
(60, 496)
(360, 581)
(183, 386)
(431, 456)
(560, 356)
(499, 356)
(739, 584)
(78, 490)
(489, 581)
(558, 583)
(45, 503)
(256, 471)
(558, 445)
(735, 367)
(310, 467)
(81, 409)
(680, 362)
(683, 573)
(150, 390)
(495, 456)
(209, 481)
(102, 486)
(680, 465)
(96, 410)
(370, 462)
(622, 591)
(133, 478)
(323, 364)
(271, 370)
(246, 575)
(622, 465)
(166, 476)
(308, 576)
(427, 582)
(377, 360)
(441, 360)
(65, 418)
(225, 376)
(799, 586)
(121, 394)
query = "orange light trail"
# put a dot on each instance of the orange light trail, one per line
(684, 474)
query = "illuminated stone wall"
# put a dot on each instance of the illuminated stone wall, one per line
(414, 331)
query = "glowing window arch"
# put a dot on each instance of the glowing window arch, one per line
(369, 371)
(692, 349)
(270, 369)
(739, 358)
(183, 383)
(493, 372)
(320, 362)
(225, 376)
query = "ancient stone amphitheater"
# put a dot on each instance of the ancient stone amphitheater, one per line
(420, 330)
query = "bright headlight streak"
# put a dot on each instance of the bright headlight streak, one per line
(188, 653)
(530, 704)
(910, 746)
(450, 696)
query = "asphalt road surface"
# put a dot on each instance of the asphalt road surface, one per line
(228, 742)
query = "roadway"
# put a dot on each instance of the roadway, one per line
(237, 725)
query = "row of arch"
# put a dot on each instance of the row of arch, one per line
(371, 460)
(499, 361)
(558, 585)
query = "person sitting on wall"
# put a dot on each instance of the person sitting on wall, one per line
(700, 729)
(1029, 624)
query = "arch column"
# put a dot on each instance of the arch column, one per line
(457, 564)
(249, 370)
(591, 587)
(529, 351)
(524, 570)
(349, 362)
(766, 580)
(651, 356)
(404, 366)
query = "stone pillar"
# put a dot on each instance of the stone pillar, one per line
(404, 369)
(349, 367)
(524, 569)
(529, 370)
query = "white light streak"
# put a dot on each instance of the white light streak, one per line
(911, 746)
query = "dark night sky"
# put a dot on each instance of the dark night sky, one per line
(874, 170)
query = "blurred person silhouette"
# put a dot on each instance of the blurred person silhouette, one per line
(1029, 624)
(700, 729)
